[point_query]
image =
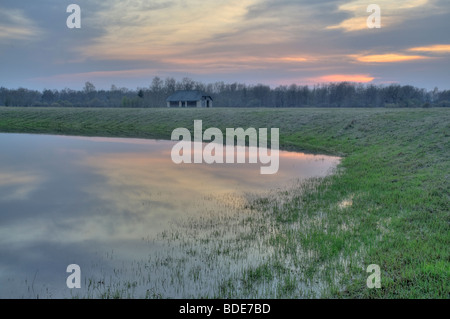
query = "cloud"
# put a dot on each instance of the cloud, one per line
(437, 48)
(237, 61)
(192, 65)
(392, 13)
(389, 58)
(15, 25)
(209, 30)
(19, 185)
(135, 30)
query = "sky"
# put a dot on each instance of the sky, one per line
(273, 42)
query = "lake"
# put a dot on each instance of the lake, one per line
(108, 203)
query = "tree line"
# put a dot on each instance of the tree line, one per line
(344, 94)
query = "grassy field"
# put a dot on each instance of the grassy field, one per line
(388, 204)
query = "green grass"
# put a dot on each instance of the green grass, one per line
(395, 174)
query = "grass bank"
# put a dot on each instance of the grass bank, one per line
(388, 204)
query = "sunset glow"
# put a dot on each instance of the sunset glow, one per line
(362, 78)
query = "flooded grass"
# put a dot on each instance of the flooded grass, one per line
(244, 249)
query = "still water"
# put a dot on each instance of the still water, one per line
(74, 200)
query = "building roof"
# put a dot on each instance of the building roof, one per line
(187, 96)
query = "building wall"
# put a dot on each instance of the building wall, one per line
(200, 103)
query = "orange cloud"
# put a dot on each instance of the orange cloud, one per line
(438, 48)
(388, 58)
(360, 78)
(353, 24)
(294, 59)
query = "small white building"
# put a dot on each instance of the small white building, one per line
(189, 99)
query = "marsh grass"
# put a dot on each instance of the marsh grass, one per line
(245, 248)
(387, 204)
